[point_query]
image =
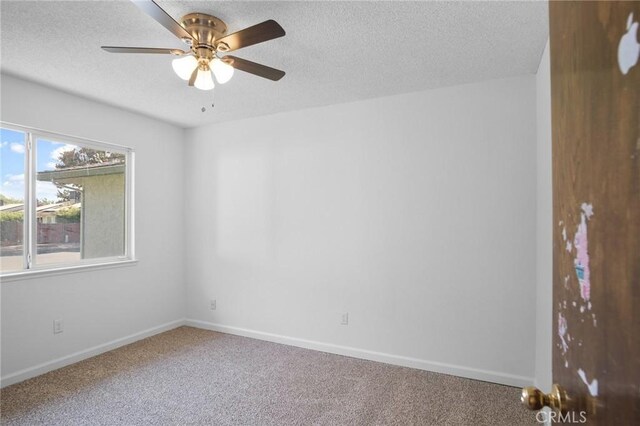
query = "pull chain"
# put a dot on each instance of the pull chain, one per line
(203, 109)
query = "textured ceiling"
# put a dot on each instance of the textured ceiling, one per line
(333, 52)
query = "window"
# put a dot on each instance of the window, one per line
(64, 201)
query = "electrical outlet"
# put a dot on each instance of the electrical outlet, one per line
(213, 304)
(345, 319)
(57, 326)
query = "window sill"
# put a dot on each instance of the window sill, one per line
(62, 270)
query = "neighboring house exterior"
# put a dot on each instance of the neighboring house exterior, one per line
(49, 214)
(12, 207)
(102, 188)
(49, 230)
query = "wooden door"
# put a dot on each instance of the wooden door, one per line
(595, 92)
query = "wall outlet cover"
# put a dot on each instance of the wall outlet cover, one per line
(345, 319)
(57, 326)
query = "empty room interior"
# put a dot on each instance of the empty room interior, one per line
(319, 213)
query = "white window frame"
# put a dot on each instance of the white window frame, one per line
(30, 239)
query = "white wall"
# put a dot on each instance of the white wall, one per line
(100, 306)
(544, 218)
(416, 214)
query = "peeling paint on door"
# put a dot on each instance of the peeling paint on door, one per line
(562, 331)
(581, 261)
(592, 386)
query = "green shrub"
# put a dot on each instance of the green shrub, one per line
(8, 200)
(68, 215)
(11, 216)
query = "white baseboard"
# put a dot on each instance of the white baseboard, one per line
(39, 369)
(437, 367)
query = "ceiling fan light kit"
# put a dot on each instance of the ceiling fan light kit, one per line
(204, 81)
(222, 70)
(206, 37)
(184, 67)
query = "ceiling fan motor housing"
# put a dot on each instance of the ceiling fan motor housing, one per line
(206, 30)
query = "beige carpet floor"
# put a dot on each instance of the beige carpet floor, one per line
(189, 376)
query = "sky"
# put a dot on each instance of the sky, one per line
(12, 164)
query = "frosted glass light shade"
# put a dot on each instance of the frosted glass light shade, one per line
(204, 80)
(221, 70)
(184, 66)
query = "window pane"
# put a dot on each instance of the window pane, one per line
(12, 151)
(80, 195)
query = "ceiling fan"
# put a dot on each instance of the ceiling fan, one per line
(206, 37)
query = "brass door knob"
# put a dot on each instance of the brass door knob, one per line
(534, 399)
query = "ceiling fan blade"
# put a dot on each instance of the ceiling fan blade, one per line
(267, 30)
(117, 49)
(194, 74)
(254, 68)
(152, 9)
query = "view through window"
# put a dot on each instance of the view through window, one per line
(63, 202)
(12, 162)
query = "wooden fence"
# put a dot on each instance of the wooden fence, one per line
(11, 233)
